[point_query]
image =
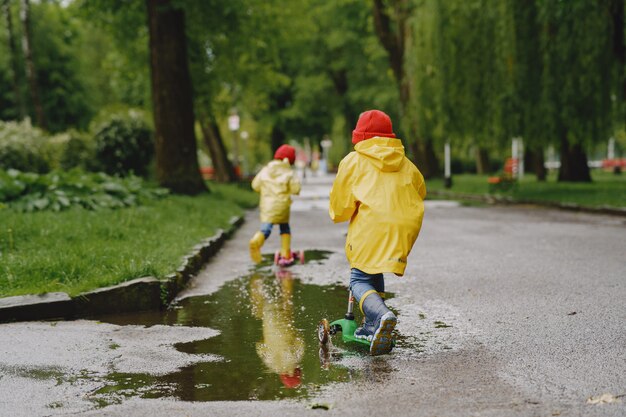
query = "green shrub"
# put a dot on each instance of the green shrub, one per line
(52, 150)
(79, 152)
(22, 147)
(124, 145)
(56, 191)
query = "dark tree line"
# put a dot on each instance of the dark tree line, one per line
(474, 73)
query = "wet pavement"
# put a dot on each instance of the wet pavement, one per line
(503, 311)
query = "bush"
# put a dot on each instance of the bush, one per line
(56, 191)
(22, 147)
(124, 145)
(79, 152)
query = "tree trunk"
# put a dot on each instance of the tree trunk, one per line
(223, 169)
(535, 162)
(6, 8)
(425, 157)
(574, 166)
(482, 161)
(31, 73)
(616, 8)
(176, 153)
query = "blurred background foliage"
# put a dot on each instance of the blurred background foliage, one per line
(474, 73)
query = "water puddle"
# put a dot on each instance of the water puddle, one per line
(268, 341)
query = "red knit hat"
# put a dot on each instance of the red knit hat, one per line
(286, 151)
(372, 123)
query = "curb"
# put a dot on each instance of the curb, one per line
(140, 294)
(495, 199)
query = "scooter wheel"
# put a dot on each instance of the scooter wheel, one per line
(323, 331)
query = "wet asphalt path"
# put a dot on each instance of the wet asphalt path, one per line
(504, 311)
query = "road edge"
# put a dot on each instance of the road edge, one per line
(504, 200)
(139, 294)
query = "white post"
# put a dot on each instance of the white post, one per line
(447, 170)
(233, 125)
(515, 154)
(325, 144)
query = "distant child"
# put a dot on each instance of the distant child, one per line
(276, 182)
(382, 194)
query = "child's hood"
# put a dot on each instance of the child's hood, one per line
(278, 168)
(386, 154)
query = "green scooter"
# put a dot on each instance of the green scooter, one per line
(346, 326)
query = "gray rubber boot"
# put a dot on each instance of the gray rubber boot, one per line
(379, 323)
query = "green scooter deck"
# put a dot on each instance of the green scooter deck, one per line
(347, 331)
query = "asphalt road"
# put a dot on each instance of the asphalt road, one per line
(535, 301)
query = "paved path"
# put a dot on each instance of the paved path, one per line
(535, 299)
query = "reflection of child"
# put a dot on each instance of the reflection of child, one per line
(276, 182)
(282, 348)
(381, 193)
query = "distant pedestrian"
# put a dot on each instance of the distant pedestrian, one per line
(276, 182)
(381, 192)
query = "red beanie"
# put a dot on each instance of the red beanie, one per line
(286, 151)
(372, 123)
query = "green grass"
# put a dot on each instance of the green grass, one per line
(79, 250)
(606, 189)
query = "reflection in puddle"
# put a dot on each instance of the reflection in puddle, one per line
(268, 342)
(282, 346)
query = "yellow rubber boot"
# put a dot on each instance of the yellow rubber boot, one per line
(285, 246)
(256, 243)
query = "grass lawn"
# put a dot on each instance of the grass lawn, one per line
(79, 250)
(606, 189)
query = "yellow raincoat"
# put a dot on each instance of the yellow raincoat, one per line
(382, 193)
(276, 182)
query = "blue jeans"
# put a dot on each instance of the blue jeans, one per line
(361, 282)
(266, 229)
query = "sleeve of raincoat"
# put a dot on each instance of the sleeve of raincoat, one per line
(342, 202)
(256, 182)
(294, 185)
(419, 184)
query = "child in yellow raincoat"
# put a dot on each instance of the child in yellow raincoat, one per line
(381, 192)
(276, 182)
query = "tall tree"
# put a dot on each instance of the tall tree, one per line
(616, 10)
(17, 94)
(176, 158)
(528, 67)
(31, 72)
(576, 103)
(222, 166)
(206, 28)
(393, 31)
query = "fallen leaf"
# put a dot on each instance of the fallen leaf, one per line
(604, 399)
(320, 406)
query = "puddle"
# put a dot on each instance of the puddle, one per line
(268, 341)
(316, 256)
(312, 256)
